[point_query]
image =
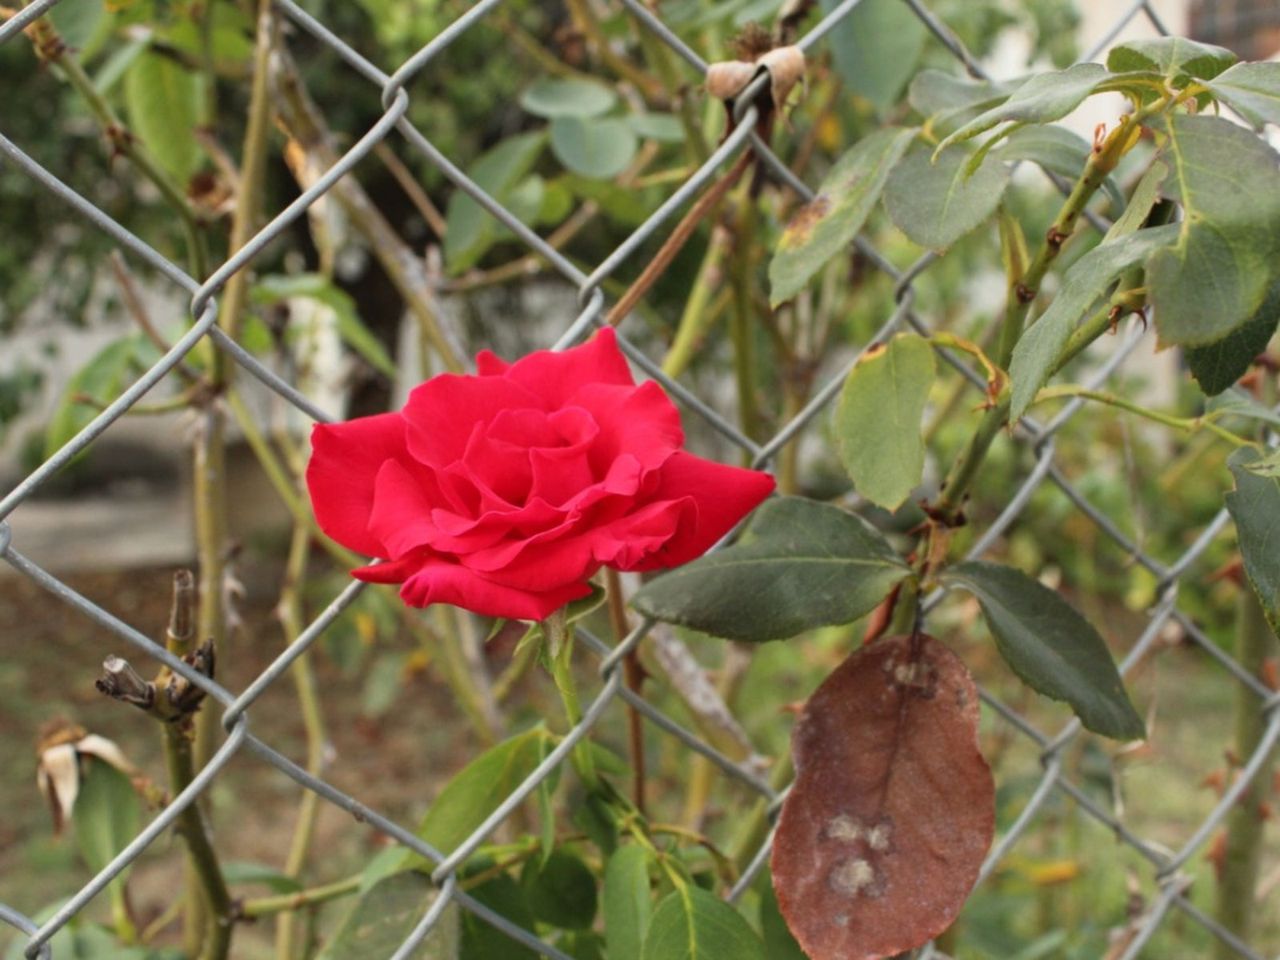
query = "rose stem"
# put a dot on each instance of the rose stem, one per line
(1246, 824)
(741, 326)
(211, 939)
(291, 614)
(634, 675)
(701, 307)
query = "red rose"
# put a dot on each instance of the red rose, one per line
(503, 492)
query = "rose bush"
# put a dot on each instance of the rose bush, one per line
(505, 491)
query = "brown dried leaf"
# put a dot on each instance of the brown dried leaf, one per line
(728, 78)
(893, 808)
(786, 69)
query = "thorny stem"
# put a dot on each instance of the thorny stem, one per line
(1257, 649)
(49, 46)
(291, 616)
(634, 676)
(1023, 292)
(741, 327)
(208, 927)
(210, 469)
(1246, 823)
(253, 165)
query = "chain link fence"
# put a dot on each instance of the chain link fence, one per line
(1171, 869)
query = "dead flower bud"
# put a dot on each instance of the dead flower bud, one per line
(60, 752)
(121, 682)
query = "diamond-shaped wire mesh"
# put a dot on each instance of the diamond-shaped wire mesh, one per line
(1171, 867)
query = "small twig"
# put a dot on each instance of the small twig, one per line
(285, 902)
(409, 184)
(677, 239)
(138, 311)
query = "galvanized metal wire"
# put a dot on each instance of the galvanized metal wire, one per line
(1170, 871)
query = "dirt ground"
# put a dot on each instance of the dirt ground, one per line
(49, 657)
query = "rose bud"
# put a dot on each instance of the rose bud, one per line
(505, 491)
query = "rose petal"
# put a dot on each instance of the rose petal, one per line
(556, 377)
(489, 364)
(438, 581)
(723, 495)
(401, 515)
(631, 540)
(345, 460)
(442, 413)
(641, 421)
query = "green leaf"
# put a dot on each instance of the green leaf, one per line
(480, 941)
(1088, 280)
(601, 149)
(949, 101)
(625, 207)
(1050, 646)
(471, 230)
(825, 226)
(878, 419)
(385, 863)
(1216, 366)
(801, 565)
(242, 872)
(1041, 98)
(1236, 404)
(77, 21)
(106, 813)
(692, 924)
(663, 127)
(1171, 57)
(1057, 150)
(1141, 201)
(572, 97)
(1255, 507)
(118, 63)
(779, 944)
(599, 821)
(875, 49)
(273, 289)
(164, 99)
(101, 380)
(627, 907)
(561, 891)
(477, 791)
(383, 683)
(583, 945)
(1251, 90)
(1266, 466)
(385, 915)
(1217, 275)
(936, 202)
